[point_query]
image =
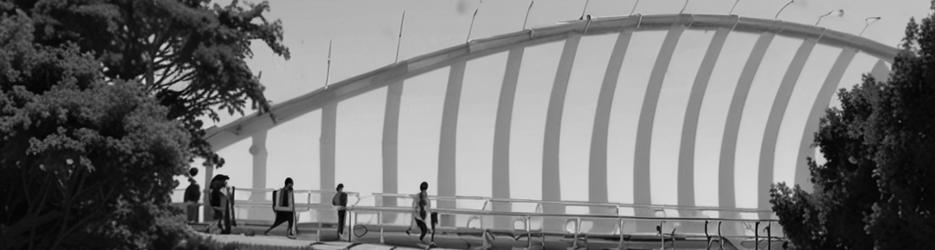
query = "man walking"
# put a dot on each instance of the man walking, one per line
(192, 195)
(284, 207)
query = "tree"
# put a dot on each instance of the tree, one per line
(875, 190)
(84, 163)
(189, 55)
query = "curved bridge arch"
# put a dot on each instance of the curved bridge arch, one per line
(255, 125)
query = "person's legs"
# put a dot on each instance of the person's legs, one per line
(219, 216)
(341, 220)
(411, 222)
(279, 220)
(423, 228)
(227, 223)
(290, 217)
(192, 212)
(434, 222)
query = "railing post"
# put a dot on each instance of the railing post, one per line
(706, 235)
(528, 232)
(769, 235)
(577, 231)
(621, 244)
(720, 237)
(756, 235)
(380, 221)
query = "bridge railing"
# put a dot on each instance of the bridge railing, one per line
(255, 204)
(573, 225)
(738, 221)
(251, 203)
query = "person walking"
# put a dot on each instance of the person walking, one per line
(192, 195)
(284, 207)
(220, 203)
(421, 210)
(339, 201)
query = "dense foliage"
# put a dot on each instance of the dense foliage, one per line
(100, 102)
(876, 189)
(189, 54)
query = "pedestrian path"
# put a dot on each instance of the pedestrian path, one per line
(263, 242)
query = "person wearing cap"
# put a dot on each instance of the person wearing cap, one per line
(284, 207)
(220, 203)
(339, 201)
(192, 195)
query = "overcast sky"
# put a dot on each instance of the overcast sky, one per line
(364, 34)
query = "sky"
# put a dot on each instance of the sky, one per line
(364, 35)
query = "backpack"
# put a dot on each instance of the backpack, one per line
(282, 200)
(215, 198)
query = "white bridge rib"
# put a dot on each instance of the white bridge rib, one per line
(597, 173)
(597, 168)
(500, 170)
(390, 149)
(726, 191)
(774, 121)
(551, 180)
(329, 118)
(818, 109)
(447, 172)
(686, 167)
(642, 193)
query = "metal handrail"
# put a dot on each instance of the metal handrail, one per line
(588, 203)
(538, 203)
(432, 197)
(576, 217)
(521, 214)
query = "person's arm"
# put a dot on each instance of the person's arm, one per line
(292, 199)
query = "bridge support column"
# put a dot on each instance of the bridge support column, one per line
(500, 172)
(207, 212)
(802, 175)
(686, 167)
(726, 191)
(447, 169)
(597, 171)
(259, 153)
(774, 121)
(394, 94)
(642, 190)
(551, 181)
(329, 117)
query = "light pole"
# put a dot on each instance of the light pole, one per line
(838, 13)
(783, 8)
(867, 22)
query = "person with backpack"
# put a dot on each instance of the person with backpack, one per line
(220, 203)
(339, 201)
(192, 195)
(284, 207)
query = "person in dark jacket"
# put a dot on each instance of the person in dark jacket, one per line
(284, 207)
(192, 196)
(220, 203)
(339, 201)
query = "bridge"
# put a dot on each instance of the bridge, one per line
(602, 217)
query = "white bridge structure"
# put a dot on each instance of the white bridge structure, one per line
(394, 77)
